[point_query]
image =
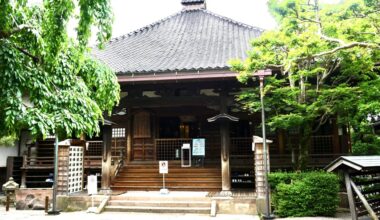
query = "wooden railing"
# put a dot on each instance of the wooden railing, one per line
(92, 161)
(37, 162)
(170, 148)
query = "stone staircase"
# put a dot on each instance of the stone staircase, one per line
(174, 202)
(146, 177)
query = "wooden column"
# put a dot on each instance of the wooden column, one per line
(106, 159)
(336, 143)
(225, 155)
(23, 172)
(225, 145)
(129, 135)
(281, 141)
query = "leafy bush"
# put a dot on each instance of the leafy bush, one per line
(305, 194)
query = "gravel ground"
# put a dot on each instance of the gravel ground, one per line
(40, 215)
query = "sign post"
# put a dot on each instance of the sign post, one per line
(164, 169)
(92, 189)
(199, 150)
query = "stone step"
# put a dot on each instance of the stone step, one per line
(172, 188)
(199, 210)
(158, 196)
(146, 177)
(155, 203)
(167, 184)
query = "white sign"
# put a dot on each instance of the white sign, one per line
(92, 185)
(199, 147)
(164, 166)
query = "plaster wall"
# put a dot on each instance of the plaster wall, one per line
(5, 152)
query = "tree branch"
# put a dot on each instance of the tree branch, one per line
(346, 46)
(33, 57)
(14, 30)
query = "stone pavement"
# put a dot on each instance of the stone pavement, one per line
(40, 215)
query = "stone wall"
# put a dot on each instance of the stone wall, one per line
(32, 199)
(77, 202)
(236, 206)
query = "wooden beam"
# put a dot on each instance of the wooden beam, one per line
(350, 195)
(170, 101)
(364, 201)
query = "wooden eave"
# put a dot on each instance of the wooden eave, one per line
(175, 77)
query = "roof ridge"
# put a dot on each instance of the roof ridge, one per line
(145, 27)
(233, 21)
(139, 30)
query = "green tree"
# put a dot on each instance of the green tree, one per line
(48, 81)
(326, 64)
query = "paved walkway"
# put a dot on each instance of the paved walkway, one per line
(40, 215)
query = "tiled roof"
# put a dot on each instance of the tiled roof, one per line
(190, 40)
(354, 162)
(184, 2)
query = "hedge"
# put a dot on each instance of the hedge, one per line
(304, 194)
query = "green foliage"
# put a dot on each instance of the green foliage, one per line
(325, 60)
(49, 83)
(7, 141)
(305, 194)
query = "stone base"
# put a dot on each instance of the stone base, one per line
(78, 202)
(236, 206)
(260, 205)
(224, 193)
(105, 191)
(32, 199)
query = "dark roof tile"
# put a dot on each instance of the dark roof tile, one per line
(188, 40)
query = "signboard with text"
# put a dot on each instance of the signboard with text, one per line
(164, 166)
(199, 146)
(92, 185)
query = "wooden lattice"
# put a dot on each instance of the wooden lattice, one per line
(75, 180)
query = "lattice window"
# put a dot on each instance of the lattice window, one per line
(241, 146)
(75, 180)
(94, 148)
(118, 132)
(118, 142)
(322, 144)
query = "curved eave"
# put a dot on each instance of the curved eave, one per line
(176, 77)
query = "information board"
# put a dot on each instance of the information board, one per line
(164, 166)
(92, 185)
(199, 146)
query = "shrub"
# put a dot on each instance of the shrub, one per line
(305, 194)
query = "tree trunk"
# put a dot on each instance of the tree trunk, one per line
(303, 155)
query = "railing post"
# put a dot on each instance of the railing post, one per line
(23, 172)
(7, 203)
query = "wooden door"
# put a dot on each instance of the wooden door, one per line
(143, 143)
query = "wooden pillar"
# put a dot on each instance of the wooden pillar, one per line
(129, 136)
(23, 172)
(335, 137)
(225, 155)
(225, 146)
(106, 159)
(281, 141)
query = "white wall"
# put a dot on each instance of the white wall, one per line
(6, 152)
